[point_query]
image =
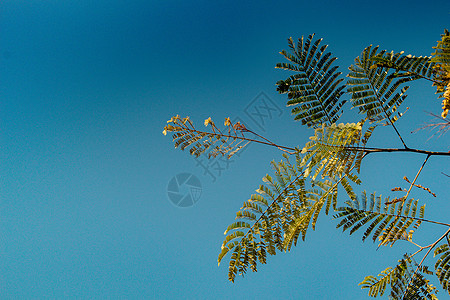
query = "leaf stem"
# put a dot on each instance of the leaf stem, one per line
(387, 116)
(272, 144)
(374, 150)
(412, 183)
(247, 139)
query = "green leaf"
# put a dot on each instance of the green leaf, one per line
(390, 226)
(316, 87)
(442, 266)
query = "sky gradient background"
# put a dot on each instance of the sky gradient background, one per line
(86, 89)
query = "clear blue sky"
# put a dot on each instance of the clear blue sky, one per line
(86, 88)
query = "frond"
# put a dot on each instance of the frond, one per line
(388, 224)
(412, 285)
(185, 136)
(377, 285)
(441, 54)
(331, 150)
(335, 151)
(264, 218)
(401, 282)
(307, 217)
(414, 67)
(442, 59)
(275, 218)
(373, 90)
(442, 266)
(316, 87)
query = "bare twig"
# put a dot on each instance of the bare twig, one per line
(443, 124)
(412, 183)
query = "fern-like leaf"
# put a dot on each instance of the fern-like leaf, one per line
(442, 80)
(409, 66)
(334, 150)
(185, 135)
(409, 284)
(441, 55)
(316, 87)
(388, 224)
(442, 266)
(401, 282)
(276, 217)
(373, 91)
(302, 219)
(377, 285)
(264, 218)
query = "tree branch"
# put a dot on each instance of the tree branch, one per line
(374, 150)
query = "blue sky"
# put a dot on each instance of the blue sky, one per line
(86, 88)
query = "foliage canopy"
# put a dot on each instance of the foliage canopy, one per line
(307, 180)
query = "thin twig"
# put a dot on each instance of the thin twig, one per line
(245, 139)
(443, 126)
(412, 183)
(272, 143)
(364, 149)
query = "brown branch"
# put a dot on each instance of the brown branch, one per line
(420, 186)
(374, 150)
(367, 150)
(412, 183)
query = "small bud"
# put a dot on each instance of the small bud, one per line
(208, 121)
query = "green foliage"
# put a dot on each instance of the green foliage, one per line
(186, 135)
(387, 223)
(410, 282)
(443, 265)
(287, 205)
(302, 219)
(315, 89)
(409, 66)
(442, 57)
(374, 91)
(282, 211)
(264, 218)
(402, 280)
(335, 150)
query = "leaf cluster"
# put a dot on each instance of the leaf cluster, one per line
(441, 57)
(287, 205)
(387, 223)
(185, 135)
(264, 218)
(316, 87)
(402, 280)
